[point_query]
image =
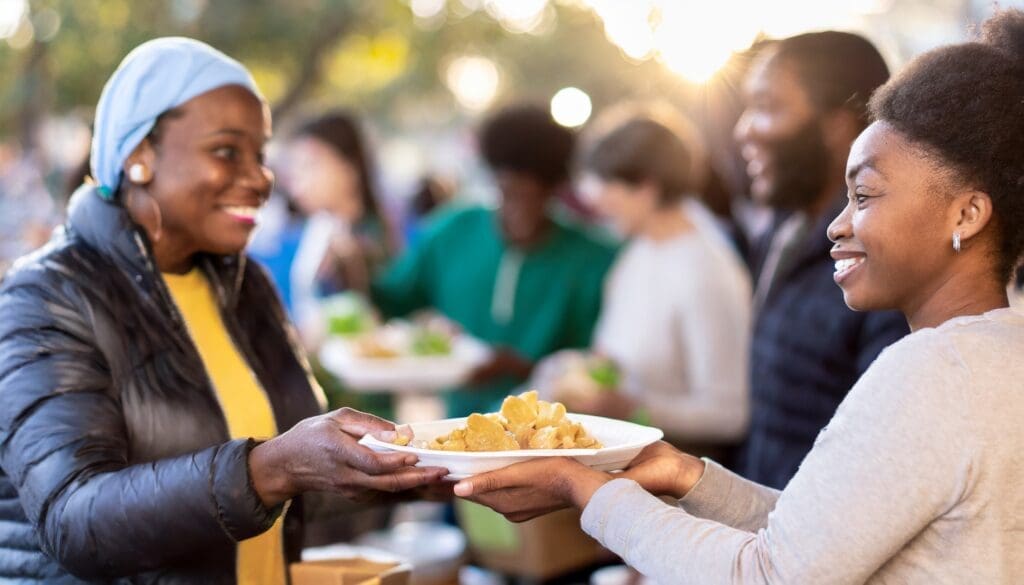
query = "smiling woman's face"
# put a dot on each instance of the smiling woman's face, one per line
(893, 241)
(209, 179)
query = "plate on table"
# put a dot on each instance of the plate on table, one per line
(622, 442)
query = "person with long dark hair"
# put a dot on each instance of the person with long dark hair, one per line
(347, 238)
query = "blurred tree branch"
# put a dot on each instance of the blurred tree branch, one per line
(372, 56)
(311, 66)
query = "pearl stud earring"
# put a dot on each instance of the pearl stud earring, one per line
(138, 174)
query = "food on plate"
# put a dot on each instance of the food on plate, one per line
(424, 338)
(525, 422)
(374, 346)
(348, 315)
(430, 341)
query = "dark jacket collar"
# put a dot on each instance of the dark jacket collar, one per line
(816, 244)
(104, 225)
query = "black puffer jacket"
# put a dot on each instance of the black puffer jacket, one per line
(116, 461)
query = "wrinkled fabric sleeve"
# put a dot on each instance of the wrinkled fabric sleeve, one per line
(64, 445)
(896, 456)
(727, 498)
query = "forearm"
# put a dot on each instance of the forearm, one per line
(272, 486)
(722, 496)
(891, 462)
(668, 544)
(116, 523)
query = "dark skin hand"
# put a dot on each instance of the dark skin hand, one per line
(533, 488)
(527, 490)
(439, 491)
(322, 453)
(663, 470)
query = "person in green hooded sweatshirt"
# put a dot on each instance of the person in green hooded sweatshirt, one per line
(515, 277)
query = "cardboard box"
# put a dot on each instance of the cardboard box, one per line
(540, 549)
(349, 572)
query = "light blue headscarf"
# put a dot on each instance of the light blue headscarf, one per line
(156, 76)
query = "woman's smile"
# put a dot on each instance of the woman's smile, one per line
(847, 263)
(246, 214)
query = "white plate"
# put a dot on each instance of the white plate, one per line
(622, 442)
(413, 374)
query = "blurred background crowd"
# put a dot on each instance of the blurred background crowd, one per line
(508, 164)
(416, 76)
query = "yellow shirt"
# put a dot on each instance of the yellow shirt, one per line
(246, 407)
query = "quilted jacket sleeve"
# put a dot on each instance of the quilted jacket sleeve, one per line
(63, 444)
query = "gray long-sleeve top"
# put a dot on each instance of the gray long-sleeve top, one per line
(917, 479)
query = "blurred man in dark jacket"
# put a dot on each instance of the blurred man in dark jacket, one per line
(806, 102)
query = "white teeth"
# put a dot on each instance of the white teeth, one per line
(847, 263)
(240, 211)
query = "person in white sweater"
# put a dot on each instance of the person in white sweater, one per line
(917, 477)
(677, 305)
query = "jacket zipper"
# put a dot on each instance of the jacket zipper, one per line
(181, 328)
(231, 326)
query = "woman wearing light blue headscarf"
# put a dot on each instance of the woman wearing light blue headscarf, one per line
(147, 370)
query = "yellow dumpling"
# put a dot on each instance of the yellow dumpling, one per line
(530, 397)
(545, 438)
(523, 435)
(525, 422)
(518, 412)
(486, 434)
(549, 414)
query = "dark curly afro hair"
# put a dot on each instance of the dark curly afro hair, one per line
(526, 139)
(964, 105)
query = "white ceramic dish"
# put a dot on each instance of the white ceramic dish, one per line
(404, 374)
(622, 442)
